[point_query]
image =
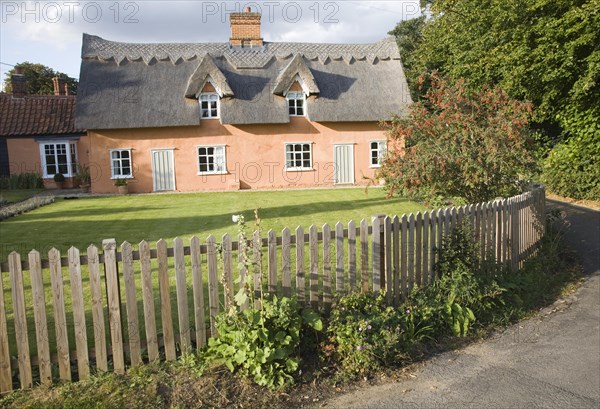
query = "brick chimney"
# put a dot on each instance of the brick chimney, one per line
(60, 86)
(245, 29)
(19, 83)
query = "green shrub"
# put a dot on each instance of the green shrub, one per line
(262, 344)
(466, 286)
(365, 333)
(22, 181)
(572, 168)
(59, 177)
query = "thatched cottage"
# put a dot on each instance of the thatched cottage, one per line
(243, 114)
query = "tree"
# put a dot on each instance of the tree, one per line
(543, 51)
(39, 79)
(408, 35)
(459, 143)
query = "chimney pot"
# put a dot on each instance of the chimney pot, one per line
(60, 86)
(18, 70)
(248, 9)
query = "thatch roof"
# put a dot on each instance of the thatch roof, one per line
(127, 85)
(207, 70)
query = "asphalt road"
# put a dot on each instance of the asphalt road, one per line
(549, 361)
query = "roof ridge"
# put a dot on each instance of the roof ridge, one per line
(95, 47)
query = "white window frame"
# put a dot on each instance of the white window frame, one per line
(71, 151)
(296, 96)
(207, 96)
(212, 172)
(298, 168)
(381, 150)
(112, 169)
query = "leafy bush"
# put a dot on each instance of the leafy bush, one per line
(262, 341)
(572, 168)
(22, 181)
(473, 145)
(365, 333)
(25, 206)
(262, 344)
(466, 287)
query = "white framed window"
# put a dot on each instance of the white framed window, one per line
(298, 156)
(296, 102)
(378, 149)
(209, 105)
(121, 164)
(212, 160)
(59, 157)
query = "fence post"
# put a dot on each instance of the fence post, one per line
(382, 272)
(113, 295)
(5, 369)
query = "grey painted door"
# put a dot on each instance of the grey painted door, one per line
(163, 170)
(343, 157)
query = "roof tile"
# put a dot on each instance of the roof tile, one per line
(37, 115)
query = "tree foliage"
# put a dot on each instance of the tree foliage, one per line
(573, 167)
(408, 35)
(459, 143)
(543, 51)
(39, 79)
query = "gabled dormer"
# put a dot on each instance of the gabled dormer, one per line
(296, 83)
(208, 85)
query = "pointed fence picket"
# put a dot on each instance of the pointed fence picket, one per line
(393, 254)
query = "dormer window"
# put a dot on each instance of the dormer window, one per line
(209, 105)
(296, 101)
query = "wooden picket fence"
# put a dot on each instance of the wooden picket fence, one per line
(392, 254)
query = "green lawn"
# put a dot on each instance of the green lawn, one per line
(17, 195)
(151, 217)
(134, 218)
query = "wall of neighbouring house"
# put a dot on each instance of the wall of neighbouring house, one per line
(24, 157)
(255, 154)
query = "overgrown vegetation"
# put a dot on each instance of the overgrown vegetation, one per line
(572, 168)
(458, 143)
(363, 335)
(261, 342)
(22, 181)
(543, 51)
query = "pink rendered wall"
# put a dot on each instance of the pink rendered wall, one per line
(255, 154)
(24, 157)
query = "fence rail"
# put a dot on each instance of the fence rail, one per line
(124, 307)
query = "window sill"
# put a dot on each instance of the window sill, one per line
(212, 173)
(374, 166)
(299, 169)
(121, 177)
(51, 177)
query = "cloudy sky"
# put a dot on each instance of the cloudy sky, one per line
(49, 32)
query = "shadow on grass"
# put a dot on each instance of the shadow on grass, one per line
(40, 230)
